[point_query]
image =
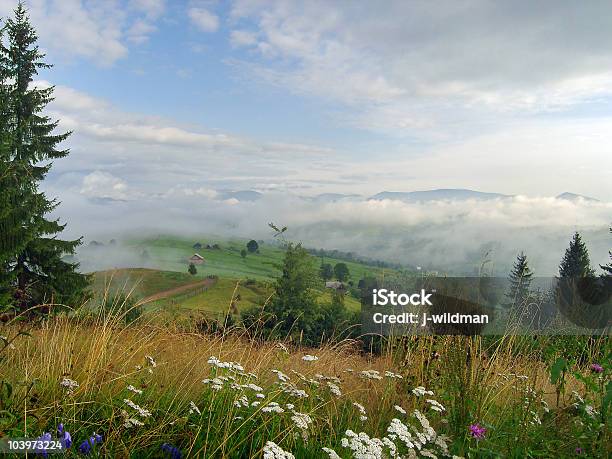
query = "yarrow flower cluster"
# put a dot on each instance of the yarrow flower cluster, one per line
(232, 366)
(334, 389)
(273, 451)
(331, 453)
(141, 411)
(215, 383)
(133, 389)
(362, 445)
(420, 391)
(193, 408)
(129, 422)
(281, 376)
(435, 405)
(370, 374)
(390, 374)
(310, 358)
(273, 407)
(362, 411)
(69, 385)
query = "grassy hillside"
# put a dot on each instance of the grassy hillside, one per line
(170, 253)
(185, 294)
(248, 281)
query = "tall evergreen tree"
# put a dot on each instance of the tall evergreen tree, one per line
(608, 268)
(576, 261)
(30, 251)
(520, 281)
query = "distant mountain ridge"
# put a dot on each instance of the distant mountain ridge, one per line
(440, 194)
(450, 194)
(575, 197)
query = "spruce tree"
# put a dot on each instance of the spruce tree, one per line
(576, 261)
(520, 281)
(608, 268)
(31, 254)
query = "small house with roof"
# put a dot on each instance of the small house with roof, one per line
(196, 259)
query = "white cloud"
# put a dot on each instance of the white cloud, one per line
(103, 185)
(242, 38)
(96, 31)
(152, 8)
(204, 19)
(140, 31)
(416, 68)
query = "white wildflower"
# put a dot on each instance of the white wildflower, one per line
(273, 407)
(151, 361)
(293, 391)
(273, 451)
(232, 366)
(259, 395)
(360, 407)
(399, 429)
(69, 385)
(310, 358)
(334, 389)
(331, 453)
(281, 376)
(390, 374)
(436, 406)
(370, 374)
(132, 422)
(362, 445)
(420, 391)
(193, 408)
(301, 420)
(215, 383)
(133, 389)
(290, 406)
(141, 411)
(400, 409)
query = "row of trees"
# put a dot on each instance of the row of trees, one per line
(32, 271)
(340, 271)
(575, 263)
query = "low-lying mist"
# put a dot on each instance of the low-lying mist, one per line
(448, 236)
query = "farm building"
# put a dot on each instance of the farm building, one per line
(196, 259)
(336, 285)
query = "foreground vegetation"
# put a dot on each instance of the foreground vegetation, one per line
(157, 389)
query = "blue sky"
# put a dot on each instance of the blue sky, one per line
(173, 102)
(349, 97)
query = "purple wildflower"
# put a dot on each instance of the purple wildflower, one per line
(64, 437)
(171, 451)
(44, 437)
(596, 368)
(579, 450)
(87, 445)
(477, 431)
